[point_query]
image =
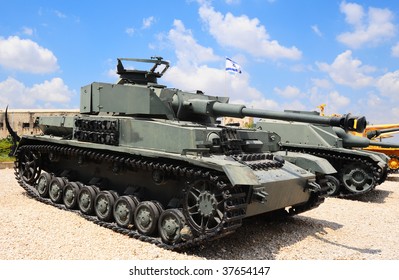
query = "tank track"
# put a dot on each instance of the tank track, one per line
(378, 174)
(235, 203)
(235, 197)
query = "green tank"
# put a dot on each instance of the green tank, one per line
(358, 171)
(154, 162)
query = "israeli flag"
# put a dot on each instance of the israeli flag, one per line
(232, 66)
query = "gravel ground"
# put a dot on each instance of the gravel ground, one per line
(345, 229)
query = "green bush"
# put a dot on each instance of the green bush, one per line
(5, 148)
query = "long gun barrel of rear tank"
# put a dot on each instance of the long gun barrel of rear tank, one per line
(219, 109)
(352, 141)
(376, 133)
(384, 144)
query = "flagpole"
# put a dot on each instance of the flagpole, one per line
(231, 66)
(225, 82)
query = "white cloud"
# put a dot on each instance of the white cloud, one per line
(213, 81)
(130, 31)
(354, 13)
(388, 85)
(374, 100)
(26, 55)
(188, 51)
(288, 91)
(395, 50)
(321, 83)
(293, 105)
(191, 73)
(260, 103)
(13, 93)
(59, 14)
(348, 71)
(335, 103)
(111, 73)
(244, 34)
(53, 93)
(395, 112)
(27, 31)
(232, 2)
(382, 111)
(147, 22)
(316, 30)
(374, 27)
(338, 100)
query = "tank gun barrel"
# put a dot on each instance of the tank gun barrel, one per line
(384, 144)
(215, 108)
(376, 133)
(352, 141)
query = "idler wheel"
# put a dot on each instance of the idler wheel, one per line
(29, 166)
(70, 196)
(103, 205)
(43, 183)
(56, 188)
(123, 211)
(356, 179)
(204, 206)
(333, 185)
(86, 198)
(170, 224)
(146, 217)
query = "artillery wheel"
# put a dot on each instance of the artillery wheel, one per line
(333, 185)
(357, 179)
(170, 223)
(146, 217)
(70, 195)
(393, 164)
(86, 198)
(29, 166)
(123, 211)
(43, 183)
(204, 206)
(55, 189)
(104, 205)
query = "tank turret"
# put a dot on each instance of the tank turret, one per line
(158, 101)
(154, 163)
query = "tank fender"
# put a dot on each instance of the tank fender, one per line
(241, 175)
(308, 162)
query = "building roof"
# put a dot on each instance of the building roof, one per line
(41, 111)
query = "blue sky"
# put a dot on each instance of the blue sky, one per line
(293, 54)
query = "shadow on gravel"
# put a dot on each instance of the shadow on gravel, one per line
(393, 178)
(261, 238)
(374, 196)
(362, 251)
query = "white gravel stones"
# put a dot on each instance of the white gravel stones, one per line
(362, 228)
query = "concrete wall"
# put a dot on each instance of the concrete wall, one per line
(244, 122)
(23, 121)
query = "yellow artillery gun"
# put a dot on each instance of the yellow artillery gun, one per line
(378, 132)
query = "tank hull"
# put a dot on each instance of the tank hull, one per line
(358, 171)
(210, 192)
